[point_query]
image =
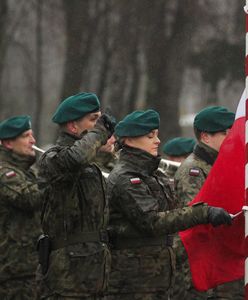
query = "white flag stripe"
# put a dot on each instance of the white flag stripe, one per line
(246, 132)
(246, 180)
(241, 106)
(246, 271)
(246, 48)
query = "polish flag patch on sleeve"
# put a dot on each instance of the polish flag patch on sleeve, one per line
(10, 174)
(194, 172)
(135, 180)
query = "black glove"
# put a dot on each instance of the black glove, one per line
(108, 122)
(218, 216)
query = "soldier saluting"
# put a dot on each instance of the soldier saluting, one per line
(75, 211)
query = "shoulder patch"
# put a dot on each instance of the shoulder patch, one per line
(10, 174)
(194, 172)
(135, 180)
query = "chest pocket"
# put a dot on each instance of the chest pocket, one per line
(159, 190)
(154, 187)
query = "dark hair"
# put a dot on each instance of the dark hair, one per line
(197, 133)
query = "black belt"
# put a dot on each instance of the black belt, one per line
(83, 237)
(138, 242)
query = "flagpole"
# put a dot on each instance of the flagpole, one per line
(245, 208)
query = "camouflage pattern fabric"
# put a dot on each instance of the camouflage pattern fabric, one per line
(57, 297)
(21, 289)
(140, 296)
(188, 181)
(192, 173)
(74, 203)
(106, 161)
(19, 213)
(141, 203)
(229, 291)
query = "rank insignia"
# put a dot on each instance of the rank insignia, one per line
(194, 172)
(135, 180)
(10, 174)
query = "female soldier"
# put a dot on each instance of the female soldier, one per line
(143, 214)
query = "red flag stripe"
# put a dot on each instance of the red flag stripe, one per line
(246, 158)
(246, 291)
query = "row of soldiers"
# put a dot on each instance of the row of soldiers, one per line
(97, 239)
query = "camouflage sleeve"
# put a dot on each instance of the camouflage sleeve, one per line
(140, 208)
(16, 191)
(72, 158)
(188, 186)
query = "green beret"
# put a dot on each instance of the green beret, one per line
(179, 146)
(138, 123)
(214, 119)
(14, 126)
(76, 107)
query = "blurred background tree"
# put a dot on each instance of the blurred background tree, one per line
(171, 55)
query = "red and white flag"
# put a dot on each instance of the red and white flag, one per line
(216, 255)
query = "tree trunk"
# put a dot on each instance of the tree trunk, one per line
(3, 47)
(167, 59)
(39, 72)
(80, 32)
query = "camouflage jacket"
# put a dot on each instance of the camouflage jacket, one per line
(142, 207)
(19, 216)
(193, 172)
(75, 206)
(106, 161)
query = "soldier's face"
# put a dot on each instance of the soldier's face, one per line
(148, 142)
(87, 122)
(22, 144)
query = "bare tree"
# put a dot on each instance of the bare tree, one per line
(3, 48)
(167, 57)
(81, 25)
(39, 72)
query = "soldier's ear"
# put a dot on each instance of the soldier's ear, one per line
(7, 144)
(205, 137)
(71, 127)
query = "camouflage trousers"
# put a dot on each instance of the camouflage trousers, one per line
(228, 291)
(58, 297)
(183, 287)
(21, 289)
(140, 296)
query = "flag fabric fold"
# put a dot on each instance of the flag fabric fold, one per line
(216, 255)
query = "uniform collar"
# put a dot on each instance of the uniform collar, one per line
(206, 153)
(139, 160)
(67, 139)
(20, 161)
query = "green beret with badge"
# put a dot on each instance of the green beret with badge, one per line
(138, 123)
(14, 126)
(76, 107)
(179, 146)
(214, 119)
